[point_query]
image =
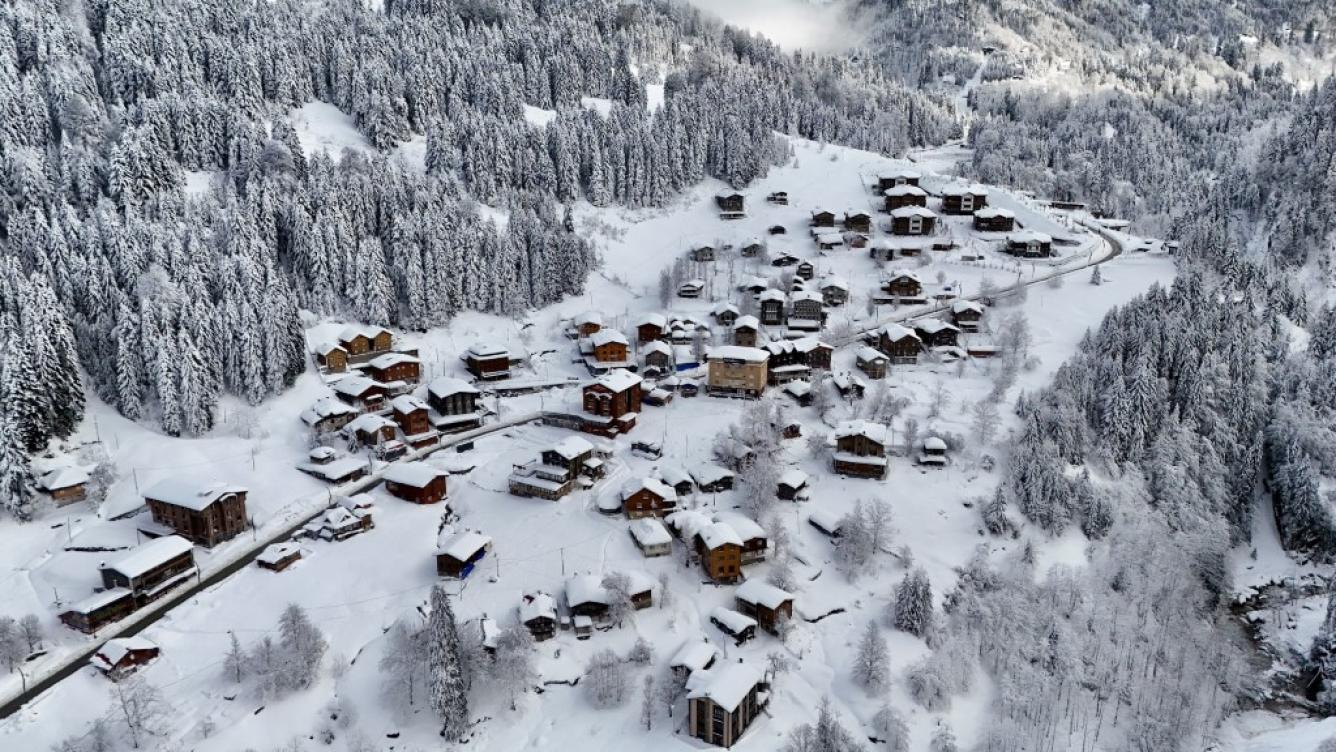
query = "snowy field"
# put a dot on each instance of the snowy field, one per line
(354, 590)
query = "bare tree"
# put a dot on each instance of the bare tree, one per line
(31, 629)
(140, 706)
(986, 421)
(872, 664)
(647, 703)
(939, 400)
(235, 662)
(605, 680)
(514, 669)
(404, 667)
(618, 587)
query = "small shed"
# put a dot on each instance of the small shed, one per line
(121, 656)
(457, 554)
(279, 556)
(738, 626)
(417, 482)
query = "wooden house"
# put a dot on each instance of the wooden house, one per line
(858, 221)
(417, 482)
(767, 604)
(711, 478)
(860, 449)
(616, 397)
(779, 198)
(703, 253)
(967, 315)
(753, 248)
(585, 324)
(732, 205)
(120, 657)
(792, 485)
(586, 596)
(651, 537)
(454, 404)
(755, 542)
(647, 497)
(279, 556)
(903, 285)
(488, 360)
(677, 479)
(992, 219)
(740, 627)
(823, 218)
(695, 655)
(458, 553)
(736, 371)
(936, 333)
(204, 511)
(745, 331)
(913, 220)
(331, 357)
(904, 195)
(651, 327)
(800, 390)
(964, 200)
(720, 550)
(932, 451)
(65, 485)
(889, 180)
(777, 230)
(340, 523)
(806, 270)
(98, 610)
(394, 367)
(411, 414)
(327, 415)
(657, 357)
(361, 392)
(807, 310)
(361, 342)
(771, 304)
(538, 614)
(829, 241)
(692, 288)
(834, 290)
(901, 344)
(784, 260)
(849, 385)
(872, 362)
(723, 701)
(1030, 244)
(371, 429)
(609, 346)
(725, 314)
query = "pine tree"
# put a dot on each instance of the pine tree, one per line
(17, 490)
(872, 665)
(912, 610)
(445, 668)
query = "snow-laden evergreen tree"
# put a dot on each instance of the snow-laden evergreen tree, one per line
(826, 735)
(445, 667)
(514, 668)
(605, 680)
(17, 488)
(891, 729)
(872, 664)
(911, 610)
(303, 648)
(1323, 657)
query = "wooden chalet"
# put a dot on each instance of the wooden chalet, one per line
(723, 701)
(393, 368)
(1030, 244)
(371, 429)
(745, 331)
(771, 304)
(651, 327)
(328, 415)
(792, 485)
(783, 260)
(279, 556)
(754, 248)
(725, 314)
(858, 221)
(967, 315)
(454, 405)
(702, 254)
(796, 359)
(204, 511)
(331, 357)
(363, 342)
(932, 451)
(651, 537)
(806, 270)
(807, 310)
(755, 542)
(964, 200)
(412, 415)
(691, 288)
(779, 198)
(488, 360)
(740, 627)
(647, 497)
(767, 604)
(137, 577)
(711, 478)
(696, 654)
(417, 482)
(913, 220)
(657, 357)
(904, 195)
(555, 472)
(829, 241)
(586, 596)
(872, 361)
(361, 392)
(903, 285)
(992, 219)
(719, 548)
(736, 371)
(936, 333)
(834, 290)
(65, 485)
(889, 180)
(538, 614)
(860, 449)
(615, 396)
(901, 344)
(98, 610)
(457, 554)
(120, 657)
(823, 218)
(585, 324)
(732, 205)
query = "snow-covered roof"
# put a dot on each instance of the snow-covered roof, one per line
(903, 173)
(744, 526)
(414, 474)
(832, 280)
(99, 600)
(442, 387)
(1029, 236)
(407, 403)
(648, 531)
(801, 295)
(798, 388)
(960, 306)
(913, 211)
(608, 337)
(618, 380)
(727, 685)
(63, 477)
(762, 593)
(771, 295)
(874, 431)
(895, 332)
(994, 212)
(830, 238)
(694, 282)
(322, 453)
(905, 189)
(866, 354)
(725, 307)
(585, 588)
(932, 326)
(656, 346)
(934, 443)
(674, 475)
(688, 522)
(461, 546)
(355, 386)
(572, 447)
(747, 322)
(277, 552)
(353, 331)
(710, 473)
(826, 519)
(488, 350)
(694, 655)
(369, 423)
(192, 493)
(588, 317)
(325, 407)
(793, 478)
(653, 319)
(144, 557)
(737, 352)
(537, 605)
(734, 621)
(114, 651)
(973, 189)
(895, 274)
(653, 485)
(325, 348)
(389, 360)
(719, 534)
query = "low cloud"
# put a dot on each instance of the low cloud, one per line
(815, 25)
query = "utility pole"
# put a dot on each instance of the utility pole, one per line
(563, 561)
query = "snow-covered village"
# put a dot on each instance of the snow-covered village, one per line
(508, 375)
